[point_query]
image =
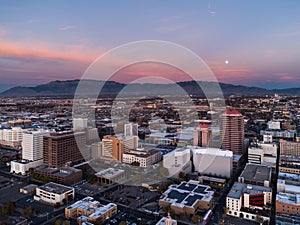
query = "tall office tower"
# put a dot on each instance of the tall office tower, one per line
(111, 148)
(129, 143)
(32, 145)
(62, 148)
(232, 131)
(202, 135)
(80, 124)
(130, 129)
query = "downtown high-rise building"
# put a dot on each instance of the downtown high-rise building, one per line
(232, 131)
(64, 148)
(80, 124)
(202, 135)
(32, 145)
(130, 129)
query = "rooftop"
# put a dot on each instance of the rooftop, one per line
(92, 206)
(163, 221)
(256, 172)
(188, 194)
(211, 151)
(55, 188)
(29, 187)
(238, 189)
(142, 154)
(232, 111)
(109, 173)
(286, 198)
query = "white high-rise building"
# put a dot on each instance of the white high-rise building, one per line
(15, 134)
(32, 145)
(12, 137)
(80, 124)
(130, 129)
(129, 142)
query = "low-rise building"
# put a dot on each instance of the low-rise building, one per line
(283, 186)
(287, 203)
(62, 175)
(289, 168)
(110, 176)
(177, 161)
(212, 161)
(289, 148)
(28, 189)
(167, 221)
(290, 178)
(54, 194)
(280, 134)
(263, 154)
(187, 197)
(246, 201)
(212, 181)
(256, 175)
(274, 125)
(144, 158)
(22, 166)
(90, 210)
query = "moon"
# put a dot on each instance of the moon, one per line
(226, 62)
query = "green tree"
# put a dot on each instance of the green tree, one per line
(135, 163)
(181, 175)
(8, 209)
(182, 215)
(172, 212)
(196, 219)
(259, 219)
(143, 222)
(27, 212)
(58, 222)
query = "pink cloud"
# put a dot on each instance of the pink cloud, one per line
(46, 51)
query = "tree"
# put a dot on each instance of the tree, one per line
(58, 222)
(259, 219)
(226, 209)
(135, 163)
(27, 212)
(196, 219)
(143, 222)
(172, 212)
(181, 176)
(166, 209)
(182, 215)
(8, 209)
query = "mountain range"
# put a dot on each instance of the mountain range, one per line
(112, 88)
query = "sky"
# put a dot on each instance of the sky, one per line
(42, 41)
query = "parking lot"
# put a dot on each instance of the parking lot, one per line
(87, 189)
(11, 193)
(134, 196)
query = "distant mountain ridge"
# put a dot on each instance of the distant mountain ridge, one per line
(68, 88)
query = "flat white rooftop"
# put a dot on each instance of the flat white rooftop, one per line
(109, 173)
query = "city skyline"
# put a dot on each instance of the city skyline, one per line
(252, 44)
